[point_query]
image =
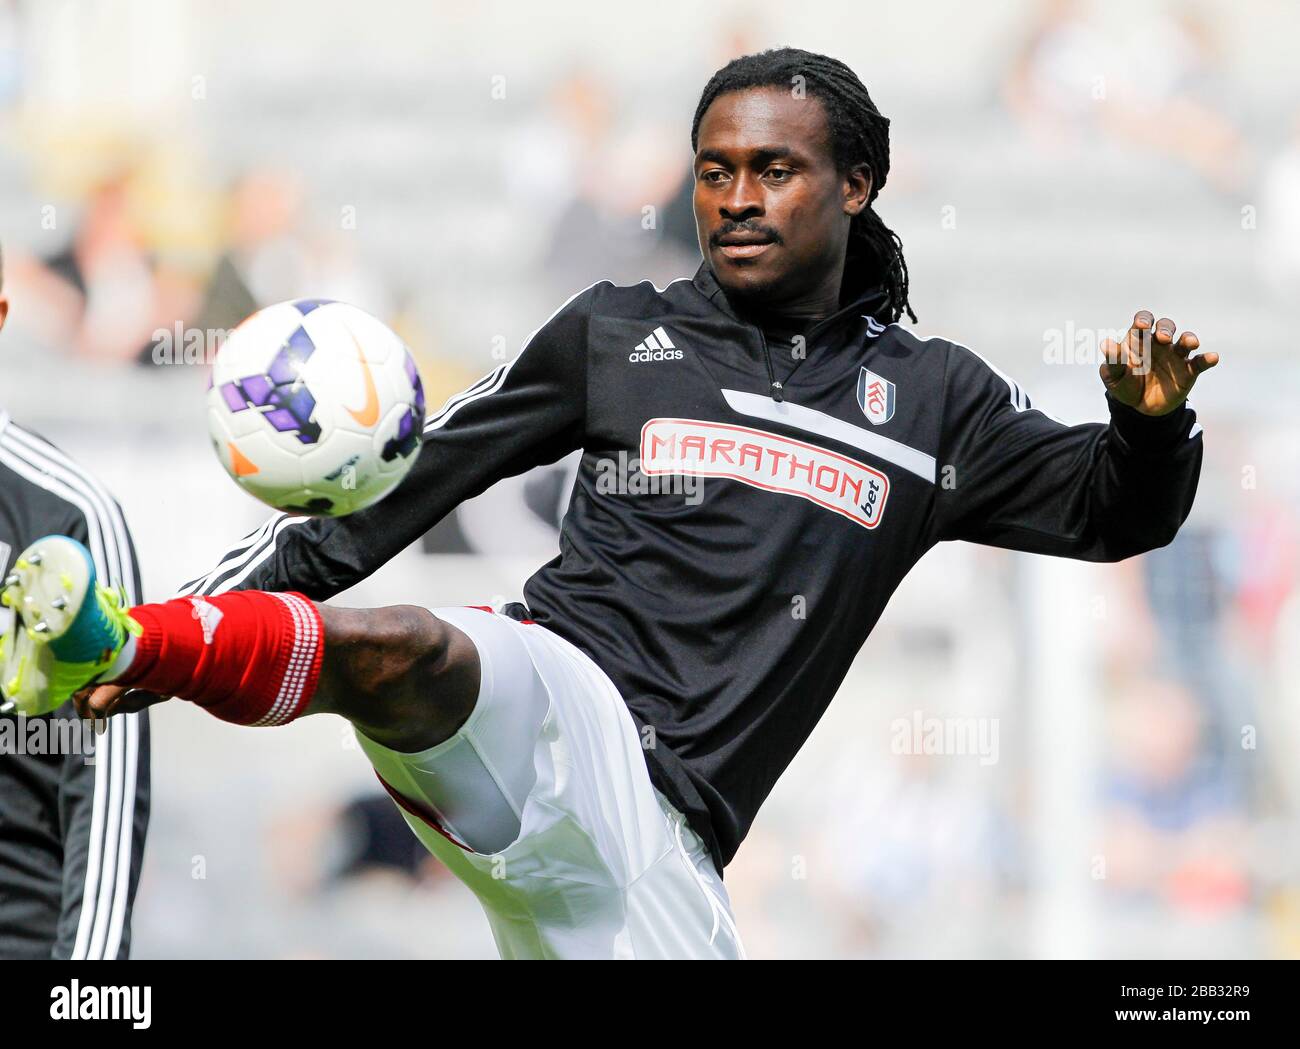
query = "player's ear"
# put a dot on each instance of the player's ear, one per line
(857, 190)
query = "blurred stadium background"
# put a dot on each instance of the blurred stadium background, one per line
(459, 170)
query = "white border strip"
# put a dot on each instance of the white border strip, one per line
(760, 406)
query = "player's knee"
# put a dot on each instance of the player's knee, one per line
(397, 647)
(397, 668)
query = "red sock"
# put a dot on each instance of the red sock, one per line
(248, 657)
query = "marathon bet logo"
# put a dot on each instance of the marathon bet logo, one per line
(656, 346)
(102, 1003)
(767, 461)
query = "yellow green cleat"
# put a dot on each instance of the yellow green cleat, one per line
(65, 630)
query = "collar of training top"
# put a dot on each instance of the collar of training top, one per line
(869, 300)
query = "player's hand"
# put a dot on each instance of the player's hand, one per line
(103, 701)
(1149, 370)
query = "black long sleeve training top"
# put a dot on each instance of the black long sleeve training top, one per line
(74, 806)
(738, 525)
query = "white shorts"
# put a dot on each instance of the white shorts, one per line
(602, 866)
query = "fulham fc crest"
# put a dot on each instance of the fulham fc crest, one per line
(875, 397)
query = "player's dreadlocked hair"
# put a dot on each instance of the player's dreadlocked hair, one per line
(859, 136)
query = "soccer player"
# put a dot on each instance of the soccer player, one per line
(73, 808)
(766, 453)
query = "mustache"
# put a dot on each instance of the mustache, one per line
(728, 228)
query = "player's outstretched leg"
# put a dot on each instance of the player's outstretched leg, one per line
(404, 677)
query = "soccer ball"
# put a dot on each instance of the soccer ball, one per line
(315, 407)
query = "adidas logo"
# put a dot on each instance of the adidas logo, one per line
(209, 617)
(655, 347)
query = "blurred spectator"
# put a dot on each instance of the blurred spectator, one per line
(265, 259)
(365, 837)
(1174, 831)
(600, 225)
(1154, 88)
(99, 296)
